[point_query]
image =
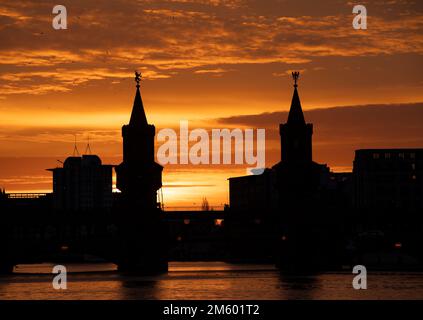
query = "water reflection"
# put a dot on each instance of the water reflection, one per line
(299, 286)
(204, 280)
(46, 268)
(133, 289)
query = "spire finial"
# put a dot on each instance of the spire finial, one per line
(138, 78)
(138, 115)
(295, 76)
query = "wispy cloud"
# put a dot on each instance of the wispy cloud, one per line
(166, 37)
(338, 131)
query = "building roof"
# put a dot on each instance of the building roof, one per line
(138, 117)
(296, 115)
(86, 160)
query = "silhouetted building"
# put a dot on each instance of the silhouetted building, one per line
(296, 213)
(299, 179)
(295, 179)
(291, 207)
(30, 201)
(83, 183)
(389, 179)
(254, 193)
(139, 178)
(296, 135)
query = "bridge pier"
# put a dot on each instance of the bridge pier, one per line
(6, 267)
(7, 249)
(143, 244)
(6, 261)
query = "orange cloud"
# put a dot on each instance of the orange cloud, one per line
(185, 35)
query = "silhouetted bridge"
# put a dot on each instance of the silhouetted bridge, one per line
(30, 236)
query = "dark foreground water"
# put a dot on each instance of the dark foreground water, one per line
(204, 280)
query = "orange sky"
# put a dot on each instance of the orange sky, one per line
(220, 63)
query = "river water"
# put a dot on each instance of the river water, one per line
(203, 280)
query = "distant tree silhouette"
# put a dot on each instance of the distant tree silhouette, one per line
(3, 194)
(205, 205)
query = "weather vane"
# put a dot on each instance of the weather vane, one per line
(295, 76)
(138, 78)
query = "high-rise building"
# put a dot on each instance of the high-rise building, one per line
(83, 183)
(388, 179)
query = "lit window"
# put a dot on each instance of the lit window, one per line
(375, 155)
(218, 222)
(413, 166)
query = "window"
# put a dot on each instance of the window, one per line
(401, 155)
(218, 222)
(375, 155)
(387, 156)
(412, 155)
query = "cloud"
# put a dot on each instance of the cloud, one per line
(40, 58)
(168, 36)
(338, 131)
(215, 72)
(62, 80)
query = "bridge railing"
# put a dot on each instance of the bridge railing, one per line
(192, 208)
(25, 195)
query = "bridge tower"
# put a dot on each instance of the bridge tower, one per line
(139, 178)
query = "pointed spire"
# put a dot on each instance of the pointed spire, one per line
(138, 117)
(296, 115)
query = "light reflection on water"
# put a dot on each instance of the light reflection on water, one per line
(203, 280)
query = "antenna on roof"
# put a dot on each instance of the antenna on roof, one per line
(75, 148)
(88, 148)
